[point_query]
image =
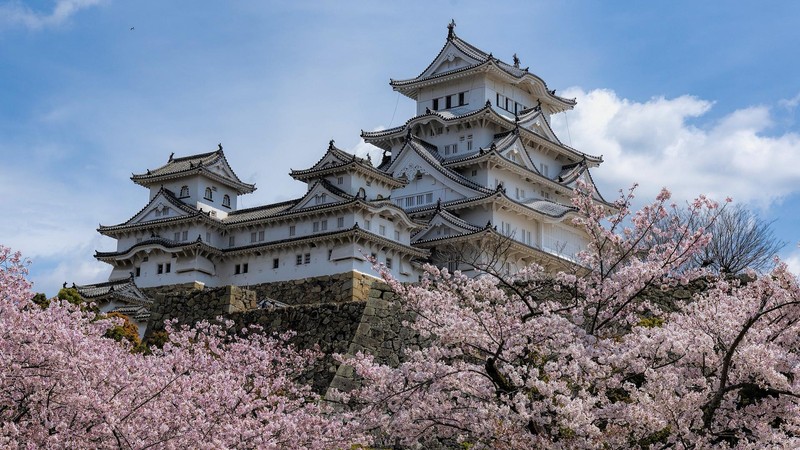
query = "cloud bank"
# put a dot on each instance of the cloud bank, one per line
(655, 143)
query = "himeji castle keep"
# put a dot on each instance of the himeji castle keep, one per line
(478, 161)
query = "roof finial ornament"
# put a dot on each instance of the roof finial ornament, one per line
(408, 134)
(489, 224)
(451, 29)
(516, 61)
(64, 286)
(219, 147)
(439, 204)
(427, 110)
(330, 144)
(369, 158)
(171, 155)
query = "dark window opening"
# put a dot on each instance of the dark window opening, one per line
(275, 263)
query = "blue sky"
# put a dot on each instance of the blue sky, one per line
(701, 97)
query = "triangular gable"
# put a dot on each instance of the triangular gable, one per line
(516, 152)
(537, 123)
(162, 206)
(442, 225)
(320, 194)
(587, 177)
(412, 163)
(221, 168)
(449, 58)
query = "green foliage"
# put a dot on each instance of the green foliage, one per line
(127, 331)
(41, 300)
(71, 295)
(651, 322)
(154, 340)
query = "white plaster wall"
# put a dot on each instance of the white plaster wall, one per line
(474, 96)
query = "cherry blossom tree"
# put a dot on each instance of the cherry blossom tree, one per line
(64, 385)
(587, 359)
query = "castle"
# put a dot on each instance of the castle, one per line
(479, 161)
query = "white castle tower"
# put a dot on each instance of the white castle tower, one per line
(479, 163)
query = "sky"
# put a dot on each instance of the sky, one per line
(700, 97)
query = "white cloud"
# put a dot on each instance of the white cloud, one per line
(17, 13)
(793, 261)
(655, 144)
(790, 103)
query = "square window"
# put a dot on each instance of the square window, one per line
(276, 263)
(435, 104)
(253, 237)
(185, 235)
(138, 271)
(299, 259)
(455, 148)
(307, 258)
(448, 102)
(461, 99)
(176, 236)
(429, 197)
(291, 230)
(367, 224)
(474, 172)
(316, 227)
(237, 269)
(340, 180)
(469, 145)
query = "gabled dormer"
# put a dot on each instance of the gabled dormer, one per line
(349, 173)
(205, 181)
(320, 194)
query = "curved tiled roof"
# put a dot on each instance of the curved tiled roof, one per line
(161, 242)
(374, 136)
(482, 59)
(124, 290)
(355, 231)
(188, 165)
(191, 213)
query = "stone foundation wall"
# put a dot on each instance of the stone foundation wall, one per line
(342, 287)
(324, 314)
